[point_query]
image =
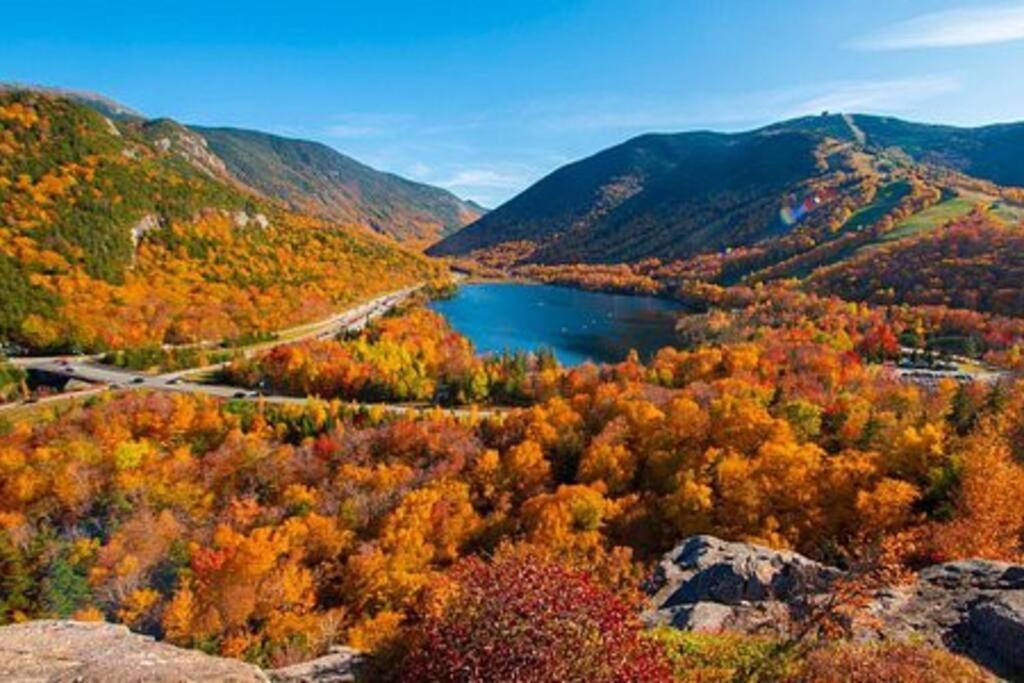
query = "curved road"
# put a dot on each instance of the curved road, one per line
(87, 369)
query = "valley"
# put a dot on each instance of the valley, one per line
(315, 406)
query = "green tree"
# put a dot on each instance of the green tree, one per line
(65, 588)
(15, 580)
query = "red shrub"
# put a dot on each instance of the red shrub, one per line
(524, 618)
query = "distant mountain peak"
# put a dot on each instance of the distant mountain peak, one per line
(317, 178)
(678, 195)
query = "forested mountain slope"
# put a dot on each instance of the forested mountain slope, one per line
(975, 263)
(115, 235)
(803, 189)
(308, 176)
(988, 152)
(664, 195)
(314, 178)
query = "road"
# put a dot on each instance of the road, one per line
(88, 369)
(350, 319)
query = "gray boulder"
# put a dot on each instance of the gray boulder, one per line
(997, 626)
(86, 652)
(340, 665)
(707, 584)
(973, 607)
(146, 225)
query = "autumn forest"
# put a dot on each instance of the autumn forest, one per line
(272, 475)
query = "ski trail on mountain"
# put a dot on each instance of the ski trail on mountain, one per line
(858, 134)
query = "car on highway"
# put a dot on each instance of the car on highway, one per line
(138, 380)
(238, 394)
(174, 380)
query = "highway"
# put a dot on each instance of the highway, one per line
(88, 369)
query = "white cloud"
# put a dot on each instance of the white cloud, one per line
(418, 169)
(739, 110)
(653, 118)
(489, 185)
(874, 96)
(951, 28)
(365, 125)
(343, 130)
(483, 178)
(370, 124)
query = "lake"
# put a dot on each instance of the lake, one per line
(576, 325)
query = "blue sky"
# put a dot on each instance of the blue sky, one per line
(486, 97)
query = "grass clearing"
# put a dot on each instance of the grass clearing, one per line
(931, 218)
(885, 201)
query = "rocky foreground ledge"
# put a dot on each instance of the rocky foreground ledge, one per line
(973, 607)
(88, 652)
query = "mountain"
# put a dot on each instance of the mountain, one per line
(308, 176)
(779, 190)
(662, 195)
(129, 233)
(314, 178)
(988, 152)
(108, 107)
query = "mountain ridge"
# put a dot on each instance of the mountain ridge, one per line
(315, 177)
(681, 195)
(107, 106)
(308, 176)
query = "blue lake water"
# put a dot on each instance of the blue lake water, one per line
(577, 325)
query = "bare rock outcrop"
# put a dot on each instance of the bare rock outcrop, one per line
(243, 219)
(340, 665)
(193, 148)
(974, 607)
(96, 652)
(707, 584)
(143, 227)
(971, 607)
(85, 652)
